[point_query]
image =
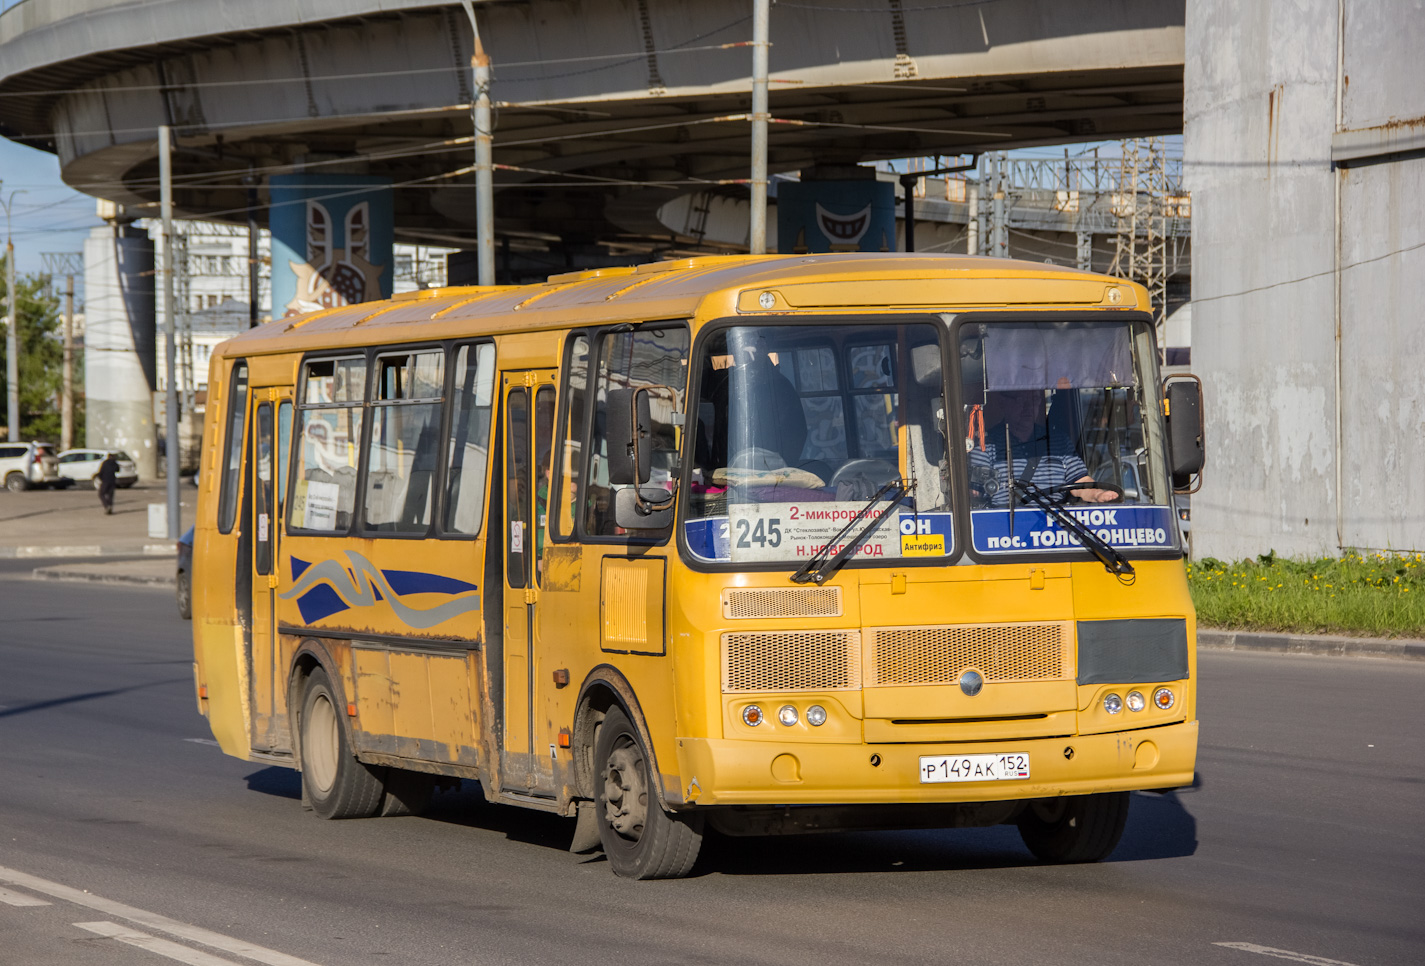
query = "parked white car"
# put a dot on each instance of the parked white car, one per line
(23, 465)
(82, 466)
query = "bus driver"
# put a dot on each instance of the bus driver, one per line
(1015, 420)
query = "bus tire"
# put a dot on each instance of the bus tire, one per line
(337, 785)
(1075, 828)
(407, 792)
(640, 839)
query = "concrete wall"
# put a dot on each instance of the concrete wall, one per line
(1293, 464)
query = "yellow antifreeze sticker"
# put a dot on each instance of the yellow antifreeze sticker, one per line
(923, 545)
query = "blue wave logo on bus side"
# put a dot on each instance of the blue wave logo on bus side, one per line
(328, 588)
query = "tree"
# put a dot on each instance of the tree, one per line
(41, 358)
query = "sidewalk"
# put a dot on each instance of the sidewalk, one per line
(1216, 639)
(155, 572)
(71, 523)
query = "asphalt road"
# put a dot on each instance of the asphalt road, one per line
(1305, 837)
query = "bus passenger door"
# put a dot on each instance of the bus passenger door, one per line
(271, 421)
(528, 435)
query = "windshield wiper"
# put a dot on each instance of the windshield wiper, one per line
(1113, 561)
(815, 571)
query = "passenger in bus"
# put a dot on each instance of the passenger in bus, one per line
(1015, 423)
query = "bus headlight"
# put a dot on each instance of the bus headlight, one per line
(1135, 701)
(1112, 703)
(1163, 698)
(752, 716)
(787, 715)
(816, 716)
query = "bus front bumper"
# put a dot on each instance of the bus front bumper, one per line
(733, 772)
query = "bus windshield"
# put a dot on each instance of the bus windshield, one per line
(797, 427)
(1059, 411)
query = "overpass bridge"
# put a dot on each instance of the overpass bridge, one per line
(606, 109)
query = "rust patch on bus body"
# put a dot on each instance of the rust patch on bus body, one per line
(563, 568)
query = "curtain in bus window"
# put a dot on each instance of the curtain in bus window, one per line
(262, 459)
(655, 356)
(405, 427)
(329, 431)
(232, 455)
(576, 398)
(469, 455)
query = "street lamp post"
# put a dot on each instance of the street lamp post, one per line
(12, 338)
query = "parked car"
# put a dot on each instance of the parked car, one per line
(23, 465)
(183, 579)
(82, 466)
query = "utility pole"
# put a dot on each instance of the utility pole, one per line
(68, 264)
(170, 407)
(12, 330)
(761, 28)
(480, 115)
(252, 287)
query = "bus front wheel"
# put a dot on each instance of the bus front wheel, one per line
(641, 840)
(337, 785)
(1076, 828)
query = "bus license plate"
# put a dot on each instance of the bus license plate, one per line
(1013, 766)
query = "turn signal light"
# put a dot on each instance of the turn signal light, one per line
(752, 716)
(1163, 698)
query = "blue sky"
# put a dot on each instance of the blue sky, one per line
(48, 216)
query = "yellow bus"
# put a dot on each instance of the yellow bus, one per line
(762, 544)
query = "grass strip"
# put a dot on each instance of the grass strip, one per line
(1371, 595)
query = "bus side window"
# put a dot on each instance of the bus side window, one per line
(576, 401)
(469, 456)
(328, 434)
(651, 355)
(232, 453)
(406, 398)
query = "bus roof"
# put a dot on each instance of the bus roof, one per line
(708, 286)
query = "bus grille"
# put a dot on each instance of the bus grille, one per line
(939, 655)
(791, 661)
(782, 602)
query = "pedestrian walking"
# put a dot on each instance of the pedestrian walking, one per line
(108, 477)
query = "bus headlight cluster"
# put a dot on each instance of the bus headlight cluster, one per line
(1163, 699)
(787, 714)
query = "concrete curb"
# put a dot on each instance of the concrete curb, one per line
(77, 574)
(1213, 639)
(91, 550)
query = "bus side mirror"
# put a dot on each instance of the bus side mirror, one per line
(629, 425)
(1182, 408)
(643, 508)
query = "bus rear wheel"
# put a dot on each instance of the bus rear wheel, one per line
(1076, 828)
(641, 840)
(337, 785)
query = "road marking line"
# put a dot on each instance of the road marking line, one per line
(152, 920)
(1285, 954)
(152, 944)
(20, 899)
(203, 741)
